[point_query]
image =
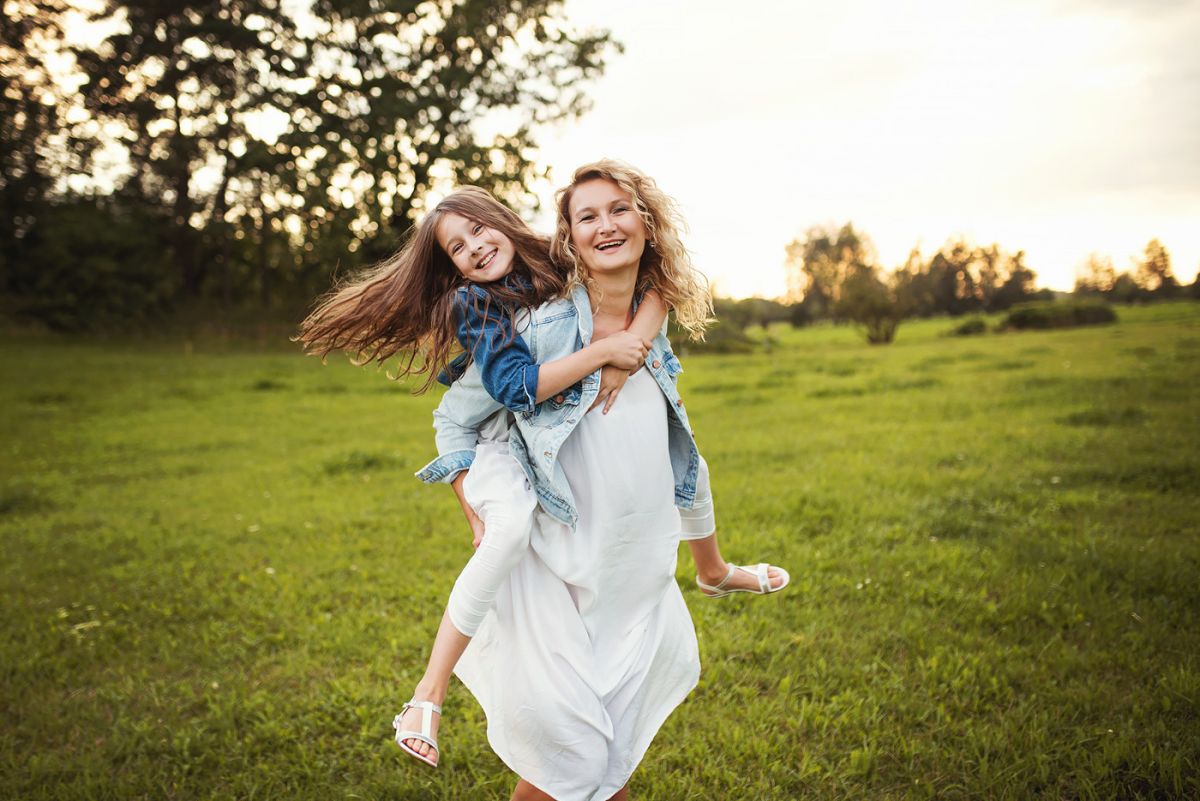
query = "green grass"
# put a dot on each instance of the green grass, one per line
(220, 578)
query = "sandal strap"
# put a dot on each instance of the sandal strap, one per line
(719, 585)
(427, 709)
(764, 581)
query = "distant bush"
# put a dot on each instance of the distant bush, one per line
(727, 334)
(1059, 315)
(967, 328)
(87, 265)
(721, 338)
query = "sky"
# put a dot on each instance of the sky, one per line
(1057, 127)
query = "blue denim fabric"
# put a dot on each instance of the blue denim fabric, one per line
(484, 328)
(554, 330)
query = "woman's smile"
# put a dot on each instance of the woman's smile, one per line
(610, 245)
(606, 228)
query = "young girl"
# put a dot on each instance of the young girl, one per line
(463, 279)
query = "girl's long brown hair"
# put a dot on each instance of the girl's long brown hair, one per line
(666, 265)
(406, 302)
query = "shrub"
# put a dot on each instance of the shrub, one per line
(1058, 315)
(720, 337)
(970, 327)
(87, 265)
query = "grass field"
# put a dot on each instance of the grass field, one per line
(220, 578)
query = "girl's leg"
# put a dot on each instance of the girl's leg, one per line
(621, 795)
(711, 567)
(507, 523)
(448, 647)
(700, 532)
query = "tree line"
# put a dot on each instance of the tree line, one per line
(833, 274)
(219, 150)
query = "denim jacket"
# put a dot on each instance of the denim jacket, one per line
(484, 328)
(553, 330)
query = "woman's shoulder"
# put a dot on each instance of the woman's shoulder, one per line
(554, 308)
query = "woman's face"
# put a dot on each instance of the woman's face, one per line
(480, 253)
(606, 229)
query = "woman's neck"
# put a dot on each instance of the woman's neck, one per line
(611, 294)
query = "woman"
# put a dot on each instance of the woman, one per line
(590, 646)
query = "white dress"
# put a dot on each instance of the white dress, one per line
(590, 645)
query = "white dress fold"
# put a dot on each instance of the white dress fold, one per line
(590, 645)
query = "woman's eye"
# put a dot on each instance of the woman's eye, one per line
(620, 209)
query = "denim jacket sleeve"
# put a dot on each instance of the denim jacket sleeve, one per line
(456, 421)
(485, 330)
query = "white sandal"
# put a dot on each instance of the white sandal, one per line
(425, 735)
(759, 571)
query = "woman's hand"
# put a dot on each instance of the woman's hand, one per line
(476, 527)
(626, 350)
(612, 379)
(473, 519)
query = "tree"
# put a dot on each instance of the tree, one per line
(818, 264)
(961, 278)
(1154, 270)
(1018, 285)
(184, 82)
(1096, 275)
(320, 132)
(867, 300)
(31, 112)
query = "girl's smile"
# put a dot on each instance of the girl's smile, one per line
(480, 253)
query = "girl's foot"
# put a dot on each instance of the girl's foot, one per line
(417, 729)
(759, 579)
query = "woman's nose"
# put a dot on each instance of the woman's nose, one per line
(606, 224)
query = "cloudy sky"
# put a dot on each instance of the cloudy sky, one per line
(1061, 127)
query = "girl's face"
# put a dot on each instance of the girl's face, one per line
(480, 253)
(606, 229)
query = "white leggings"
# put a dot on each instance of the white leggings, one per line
(498, 491)
(700, 521)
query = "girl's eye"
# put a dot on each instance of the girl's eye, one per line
(454, 250)
(478, 227)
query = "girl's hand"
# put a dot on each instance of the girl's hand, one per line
(626, 350)
(612, 379)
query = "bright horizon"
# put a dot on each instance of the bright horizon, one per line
(1059, 128)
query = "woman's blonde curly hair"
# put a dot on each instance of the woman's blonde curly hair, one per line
(666, 266)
